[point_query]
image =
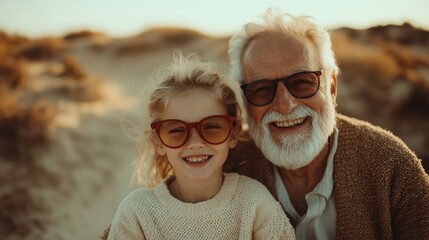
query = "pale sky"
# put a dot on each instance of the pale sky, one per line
(37, 18)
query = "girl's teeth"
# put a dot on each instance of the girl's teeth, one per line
(289, 123)
(197, 159)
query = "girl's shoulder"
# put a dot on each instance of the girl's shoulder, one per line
(138, 196)
(251, 188)
(148, 194)
(252, 183)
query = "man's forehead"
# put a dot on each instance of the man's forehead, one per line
(287, 52)
(272, 41)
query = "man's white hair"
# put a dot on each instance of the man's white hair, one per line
(299, 149)
(278, 22)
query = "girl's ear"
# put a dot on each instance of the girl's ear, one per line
(159, 147)
(233, 140)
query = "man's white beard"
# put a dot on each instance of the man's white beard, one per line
(299, 149)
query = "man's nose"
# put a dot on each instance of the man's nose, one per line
(283, 101)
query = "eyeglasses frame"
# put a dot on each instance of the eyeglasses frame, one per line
(197, 125)
(318, 73)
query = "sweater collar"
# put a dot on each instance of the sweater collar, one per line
(220, 200)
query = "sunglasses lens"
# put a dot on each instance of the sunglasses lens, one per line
(215, 130)
(173, 133)
(303, 85)
(300, 85)
(260, 93)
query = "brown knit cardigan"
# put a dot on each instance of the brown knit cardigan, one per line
(380, 186)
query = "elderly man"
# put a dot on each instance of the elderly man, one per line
(335, 176)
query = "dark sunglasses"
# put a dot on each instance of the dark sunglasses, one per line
(300, 85)
(174, 133)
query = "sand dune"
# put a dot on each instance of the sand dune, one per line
(65, 159)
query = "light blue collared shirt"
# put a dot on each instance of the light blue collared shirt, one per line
(320, 219)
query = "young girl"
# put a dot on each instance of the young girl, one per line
(194, 119)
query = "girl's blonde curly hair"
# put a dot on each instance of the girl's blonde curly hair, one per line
(181, 75)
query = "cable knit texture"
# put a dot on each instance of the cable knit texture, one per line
(243, 209)
(381, 188)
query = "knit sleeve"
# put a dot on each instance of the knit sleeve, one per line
(410, 198)
(270, 221)
(125, 224)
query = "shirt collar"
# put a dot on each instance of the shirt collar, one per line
(324, 187)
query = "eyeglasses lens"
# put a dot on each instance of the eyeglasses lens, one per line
(214, 130)
(173, 133)
(300, 85)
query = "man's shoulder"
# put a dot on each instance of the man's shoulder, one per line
(346, 123)
(363, 135)
(353, 127)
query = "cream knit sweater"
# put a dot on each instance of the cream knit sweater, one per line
(243, 209)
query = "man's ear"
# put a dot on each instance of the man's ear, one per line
(233, 139)
(334, 88)
(159, 147)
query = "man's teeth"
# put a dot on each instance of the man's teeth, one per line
(289, 123)
(197, 159)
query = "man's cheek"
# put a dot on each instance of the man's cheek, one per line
(256, 113)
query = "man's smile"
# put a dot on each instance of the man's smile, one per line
(289, 123)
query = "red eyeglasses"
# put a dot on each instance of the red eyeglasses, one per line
(174, 133)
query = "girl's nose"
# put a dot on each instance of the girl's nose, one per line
(195, 140)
